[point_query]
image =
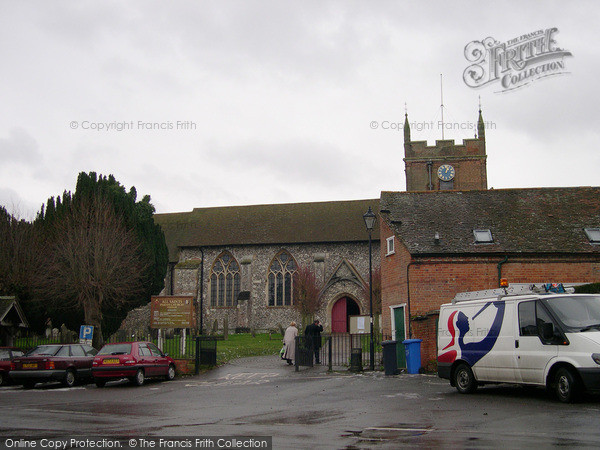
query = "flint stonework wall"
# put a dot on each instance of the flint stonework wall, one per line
(254, 263)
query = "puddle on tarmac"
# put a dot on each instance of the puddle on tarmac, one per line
(304, 418)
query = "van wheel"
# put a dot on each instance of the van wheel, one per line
(566, 385)
(464, 380)
(69, 380)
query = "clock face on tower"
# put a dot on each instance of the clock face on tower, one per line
(446, 172)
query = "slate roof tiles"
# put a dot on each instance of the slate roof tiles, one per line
(292, 223)
(540, 220)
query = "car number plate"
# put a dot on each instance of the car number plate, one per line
(30, 366)
(111, 361)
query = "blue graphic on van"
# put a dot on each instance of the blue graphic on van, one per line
(472, 352)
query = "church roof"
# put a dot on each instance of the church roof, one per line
(291, 223)
(540, 220)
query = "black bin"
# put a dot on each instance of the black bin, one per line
(390, 363)
(207, 350)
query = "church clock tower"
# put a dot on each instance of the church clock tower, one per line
(445, 165)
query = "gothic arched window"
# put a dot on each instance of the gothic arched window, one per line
(280, 279)
(225, 280)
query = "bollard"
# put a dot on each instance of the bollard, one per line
(356, 360)
(390, 363)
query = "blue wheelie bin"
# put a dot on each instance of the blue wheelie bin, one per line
(413, 355)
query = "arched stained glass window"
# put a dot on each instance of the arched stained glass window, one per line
(280, 279)
(225, 281)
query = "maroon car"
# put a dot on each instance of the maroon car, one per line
(7, 354)
(134, 360)
(68, 363)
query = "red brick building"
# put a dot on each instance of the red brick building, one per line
(435, 244)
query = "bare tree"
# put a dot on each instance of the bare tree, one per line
(376, 280)
(92, 261)
(307, 294)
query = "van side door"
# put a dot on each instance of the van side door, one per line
(498, 364)
(535, 343)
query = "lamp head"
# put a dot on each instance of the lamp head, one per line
(369, 218)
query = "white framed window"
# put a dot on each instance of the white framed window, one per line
(593, 234)
(483, 236)
(390, 246)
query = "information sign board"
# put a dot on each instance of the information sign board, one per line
(172, 311)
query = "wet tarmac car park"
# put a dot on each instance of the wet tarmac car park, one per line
(312, 408)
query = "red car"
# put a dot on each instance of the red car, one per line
(134, 360)
(68, 363)
(7, 354)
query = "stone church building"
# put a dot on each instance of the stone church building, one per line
(239, 261)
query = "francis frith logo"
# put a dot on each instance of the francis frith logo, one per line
(515, 63)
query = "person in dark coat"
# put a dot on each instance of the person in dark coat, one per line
(313, 336)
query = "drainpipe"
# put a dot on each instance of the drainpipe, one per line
(500, 264)
(201, 287)
(408, 298)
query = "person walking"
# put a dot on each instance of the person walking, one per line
(289, 340)
(313, 336)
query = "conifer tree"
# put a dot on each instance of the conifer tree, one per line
(99, 202)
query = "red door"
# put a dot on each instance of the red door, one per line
(339, 322)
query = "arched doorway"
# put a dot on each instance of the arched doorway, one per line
(340, 314)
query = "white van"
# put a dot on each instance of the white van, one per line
(536, 339)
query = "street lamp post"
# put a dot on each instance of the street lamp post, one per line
(369, 218)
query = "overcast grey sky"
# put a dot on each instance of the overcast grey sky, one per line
(278, 98)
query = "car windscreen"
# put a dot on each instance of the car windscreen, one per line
(40, 350)
(115, 349)
(577, 313)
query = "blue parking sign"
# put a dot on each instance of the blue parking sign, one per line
(86, 334)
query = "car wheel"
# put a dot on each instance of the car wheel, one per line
(464, 380)
(70, 378)
(170, 372)
(100, 383)
(139, 378)
(3, 379)
(567, 385)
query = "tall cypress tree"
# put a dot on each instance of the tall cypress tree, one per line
(137, 219)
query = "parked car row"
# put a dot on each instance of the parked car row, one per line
(77, 363)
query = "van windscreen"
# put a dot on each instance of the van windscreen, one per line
(578, 313)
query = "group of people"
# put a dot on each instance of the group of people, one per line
(313, 336)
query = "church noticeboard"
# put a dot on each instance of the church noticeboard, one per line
(172, 312)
